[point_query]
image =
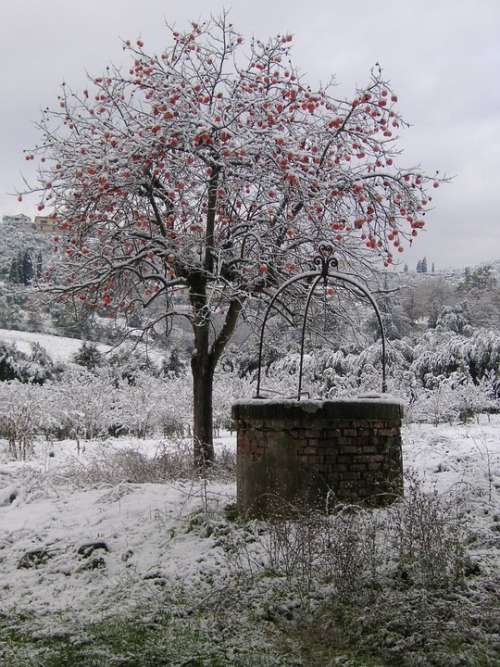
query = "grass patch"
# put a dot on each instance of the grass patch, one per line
(130, 643)
(252, 626)
(402, 629)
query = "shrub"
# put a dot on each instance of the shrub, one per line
(88, 356)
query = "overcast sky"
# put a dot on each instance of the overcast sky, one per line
(442, 57)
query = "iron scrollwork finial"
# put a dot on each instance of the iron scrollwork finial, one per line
(326, 260)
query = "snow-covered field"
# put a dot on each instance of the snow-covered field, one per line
(465, 458)
(59, 348)
(43, 508)
(142, 524)
(74, 549)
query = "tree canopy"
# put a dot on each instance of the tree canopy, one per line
(216, 169)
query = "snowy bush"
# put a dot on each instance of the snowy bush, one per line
(151, 405)
(85, 403)
(229, 387)
(436, 403)
(35, 367)
(174, 461)
(448, 399)
(454, 318)
(23, 414)
(443, 376)
(128, 362)
(88, 356)
(10, 360)
(472, 399)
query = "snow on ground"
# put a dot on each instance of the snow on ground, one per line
(464, 459)
(60, 348)
(144, 528)
(448, 455)
(137, 523)
(149, 543)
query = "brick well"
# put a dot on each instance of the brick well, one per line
(292, 454)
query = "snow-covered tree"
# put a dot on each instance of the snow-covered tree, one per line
(17, 239)
(214, 169)
(482, 278)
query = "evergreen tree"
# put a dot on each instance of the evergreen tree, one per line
(423, 266)
(39, 264)
(14, 273)
(88, 356)
(27, 268)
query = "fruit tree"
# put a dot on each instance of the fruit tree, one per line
(214, 169)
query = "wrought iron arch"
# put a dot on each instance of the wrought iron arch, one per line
(325, 260)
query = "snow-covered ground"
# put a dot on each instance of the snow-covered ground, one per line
(145, 527)
(59, 348)
(74, 549)
(464, 459)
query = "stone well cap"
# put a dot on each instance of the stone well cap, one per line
(367, 406)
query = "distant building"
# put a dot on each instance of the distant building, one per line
(20, 218)
(46, 224)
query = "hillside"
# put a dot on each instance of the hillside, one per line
(61, 348)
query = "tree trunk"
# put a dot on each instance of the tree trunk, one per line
(204, 360)
(203, 375)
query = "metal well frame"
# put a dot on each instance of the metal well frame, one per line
(328, 270)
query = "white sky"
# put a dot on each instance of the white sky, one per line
(442, 57)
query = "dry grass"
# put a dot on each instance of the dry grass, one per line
(171, 461)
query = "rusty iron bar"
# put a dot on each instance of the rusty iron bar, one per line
(325, 260)
(303, 337)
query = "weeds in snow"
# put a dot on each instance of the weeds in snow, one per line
(417, 542)
(426, 533)
(484, 452)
